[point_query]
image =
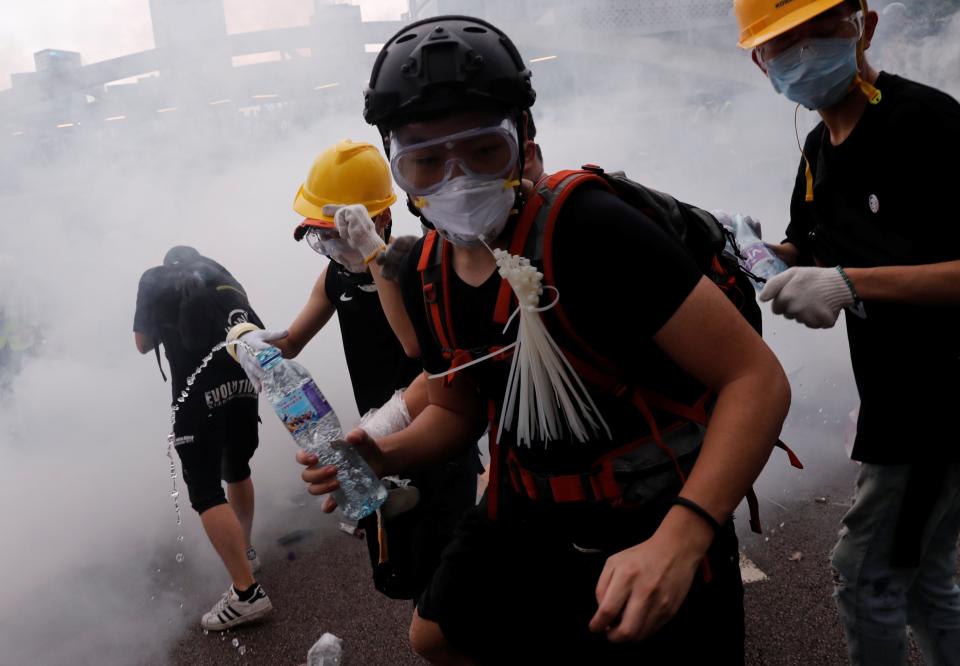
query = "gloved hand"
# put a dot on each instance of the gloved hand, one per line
(726, 219)
(813, 296)
(391, 259)
(357, 228)
(258, 340)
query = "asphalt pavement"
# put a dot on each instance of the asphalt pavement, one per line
(321, 583)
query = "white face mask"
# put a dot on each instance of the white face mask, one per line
(469, 209)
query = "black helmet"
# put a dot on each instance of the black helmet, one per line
(180, 254)
(445, 63)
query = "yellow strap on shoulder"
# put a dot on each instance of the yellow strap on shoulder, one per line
(871, 92)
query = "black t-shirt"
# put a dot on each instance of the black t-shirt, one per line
(884, 198)
(620, 279)
(376, 361)
(189, 309)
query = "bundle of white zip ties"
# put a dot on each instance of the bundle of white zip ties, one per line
(542, 388)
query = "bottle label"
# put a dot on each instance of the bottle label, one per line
(269, 358)
(303, 407)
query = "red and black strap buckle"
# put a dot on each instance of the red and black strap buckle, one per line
(430, 293)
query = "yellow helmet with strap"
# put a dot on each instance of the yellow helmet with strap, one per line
(347, 173)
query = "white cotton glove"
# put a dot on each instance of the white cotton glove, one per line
(811, 295)
(258, 340)
(357, 228)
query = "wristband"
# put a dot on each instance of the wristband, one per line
(699, 510)
(235, 333)
(846, 278)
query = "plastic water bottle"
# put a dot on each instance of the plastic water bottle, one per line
(757, 257)
(315, 427)
(325, 652)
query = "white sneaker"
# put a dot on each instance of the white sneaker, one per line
(230, 611)
(254, 560)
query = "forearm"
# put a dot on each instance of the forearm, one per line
(145, 342)
(929, 284)
(391, 300)
(313, 317)
(744, 426)
(435, 435)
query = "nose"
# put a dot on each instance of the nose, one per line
(455, 167)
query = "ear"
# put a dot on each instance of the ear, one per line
(384, 220)
(529, 151)
(869, 28)
(756, 61)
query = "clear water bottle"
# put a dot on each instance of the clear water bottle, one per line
(326, 651)
(757, 257)
(314, 425)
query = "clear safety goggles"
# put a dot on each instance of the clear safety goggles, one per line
(486, 152)
(325, 241)
(827, 26)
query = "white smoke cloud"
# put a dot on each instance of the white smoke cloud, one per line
(84, 479)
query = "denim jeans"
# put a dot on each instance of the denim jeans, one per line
(876, 600)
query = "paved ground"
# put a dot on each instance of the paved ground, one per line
(325, 587)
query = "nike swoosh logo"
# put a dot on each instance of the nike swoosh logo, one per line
(345, 298)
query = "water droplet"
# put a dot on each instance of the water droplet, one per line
(179, 557)
(180, 538)
(153, 598)
(235, 643)
(171, 438)
(181, 605)
(181, 399)
(191, 381)
(206, 632)
(243, 650)
(174, 494)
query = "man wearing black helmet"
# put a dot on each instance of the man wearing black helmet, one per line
(187, 305)
(596, 547)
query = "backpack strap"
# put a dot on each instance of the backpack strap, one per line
(156, 351)
(533, 238)
(436, 295)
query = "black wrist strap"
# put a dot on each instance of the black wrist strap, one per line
(699, 510)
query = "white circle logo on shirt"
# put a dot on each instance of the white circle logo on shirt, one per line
(874, 203)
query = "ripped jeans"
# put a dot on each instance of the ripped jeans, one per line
(876, 600)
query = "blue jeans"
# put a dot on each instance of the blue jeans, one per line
(876, 600)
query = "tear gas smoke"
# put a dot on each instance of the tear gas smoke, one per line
(88, 527)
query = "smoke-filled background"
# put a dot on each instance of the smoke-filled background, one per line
(204, 142)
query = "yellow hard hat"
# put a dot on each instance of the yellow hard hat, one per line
(347, 173)
(762, 20)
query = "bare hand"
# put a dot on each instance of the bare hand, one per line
(641, 588)
(322, 480)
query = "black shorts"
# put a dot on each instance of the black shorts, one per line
(216, 446)
(523, 591)
(416, 539)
